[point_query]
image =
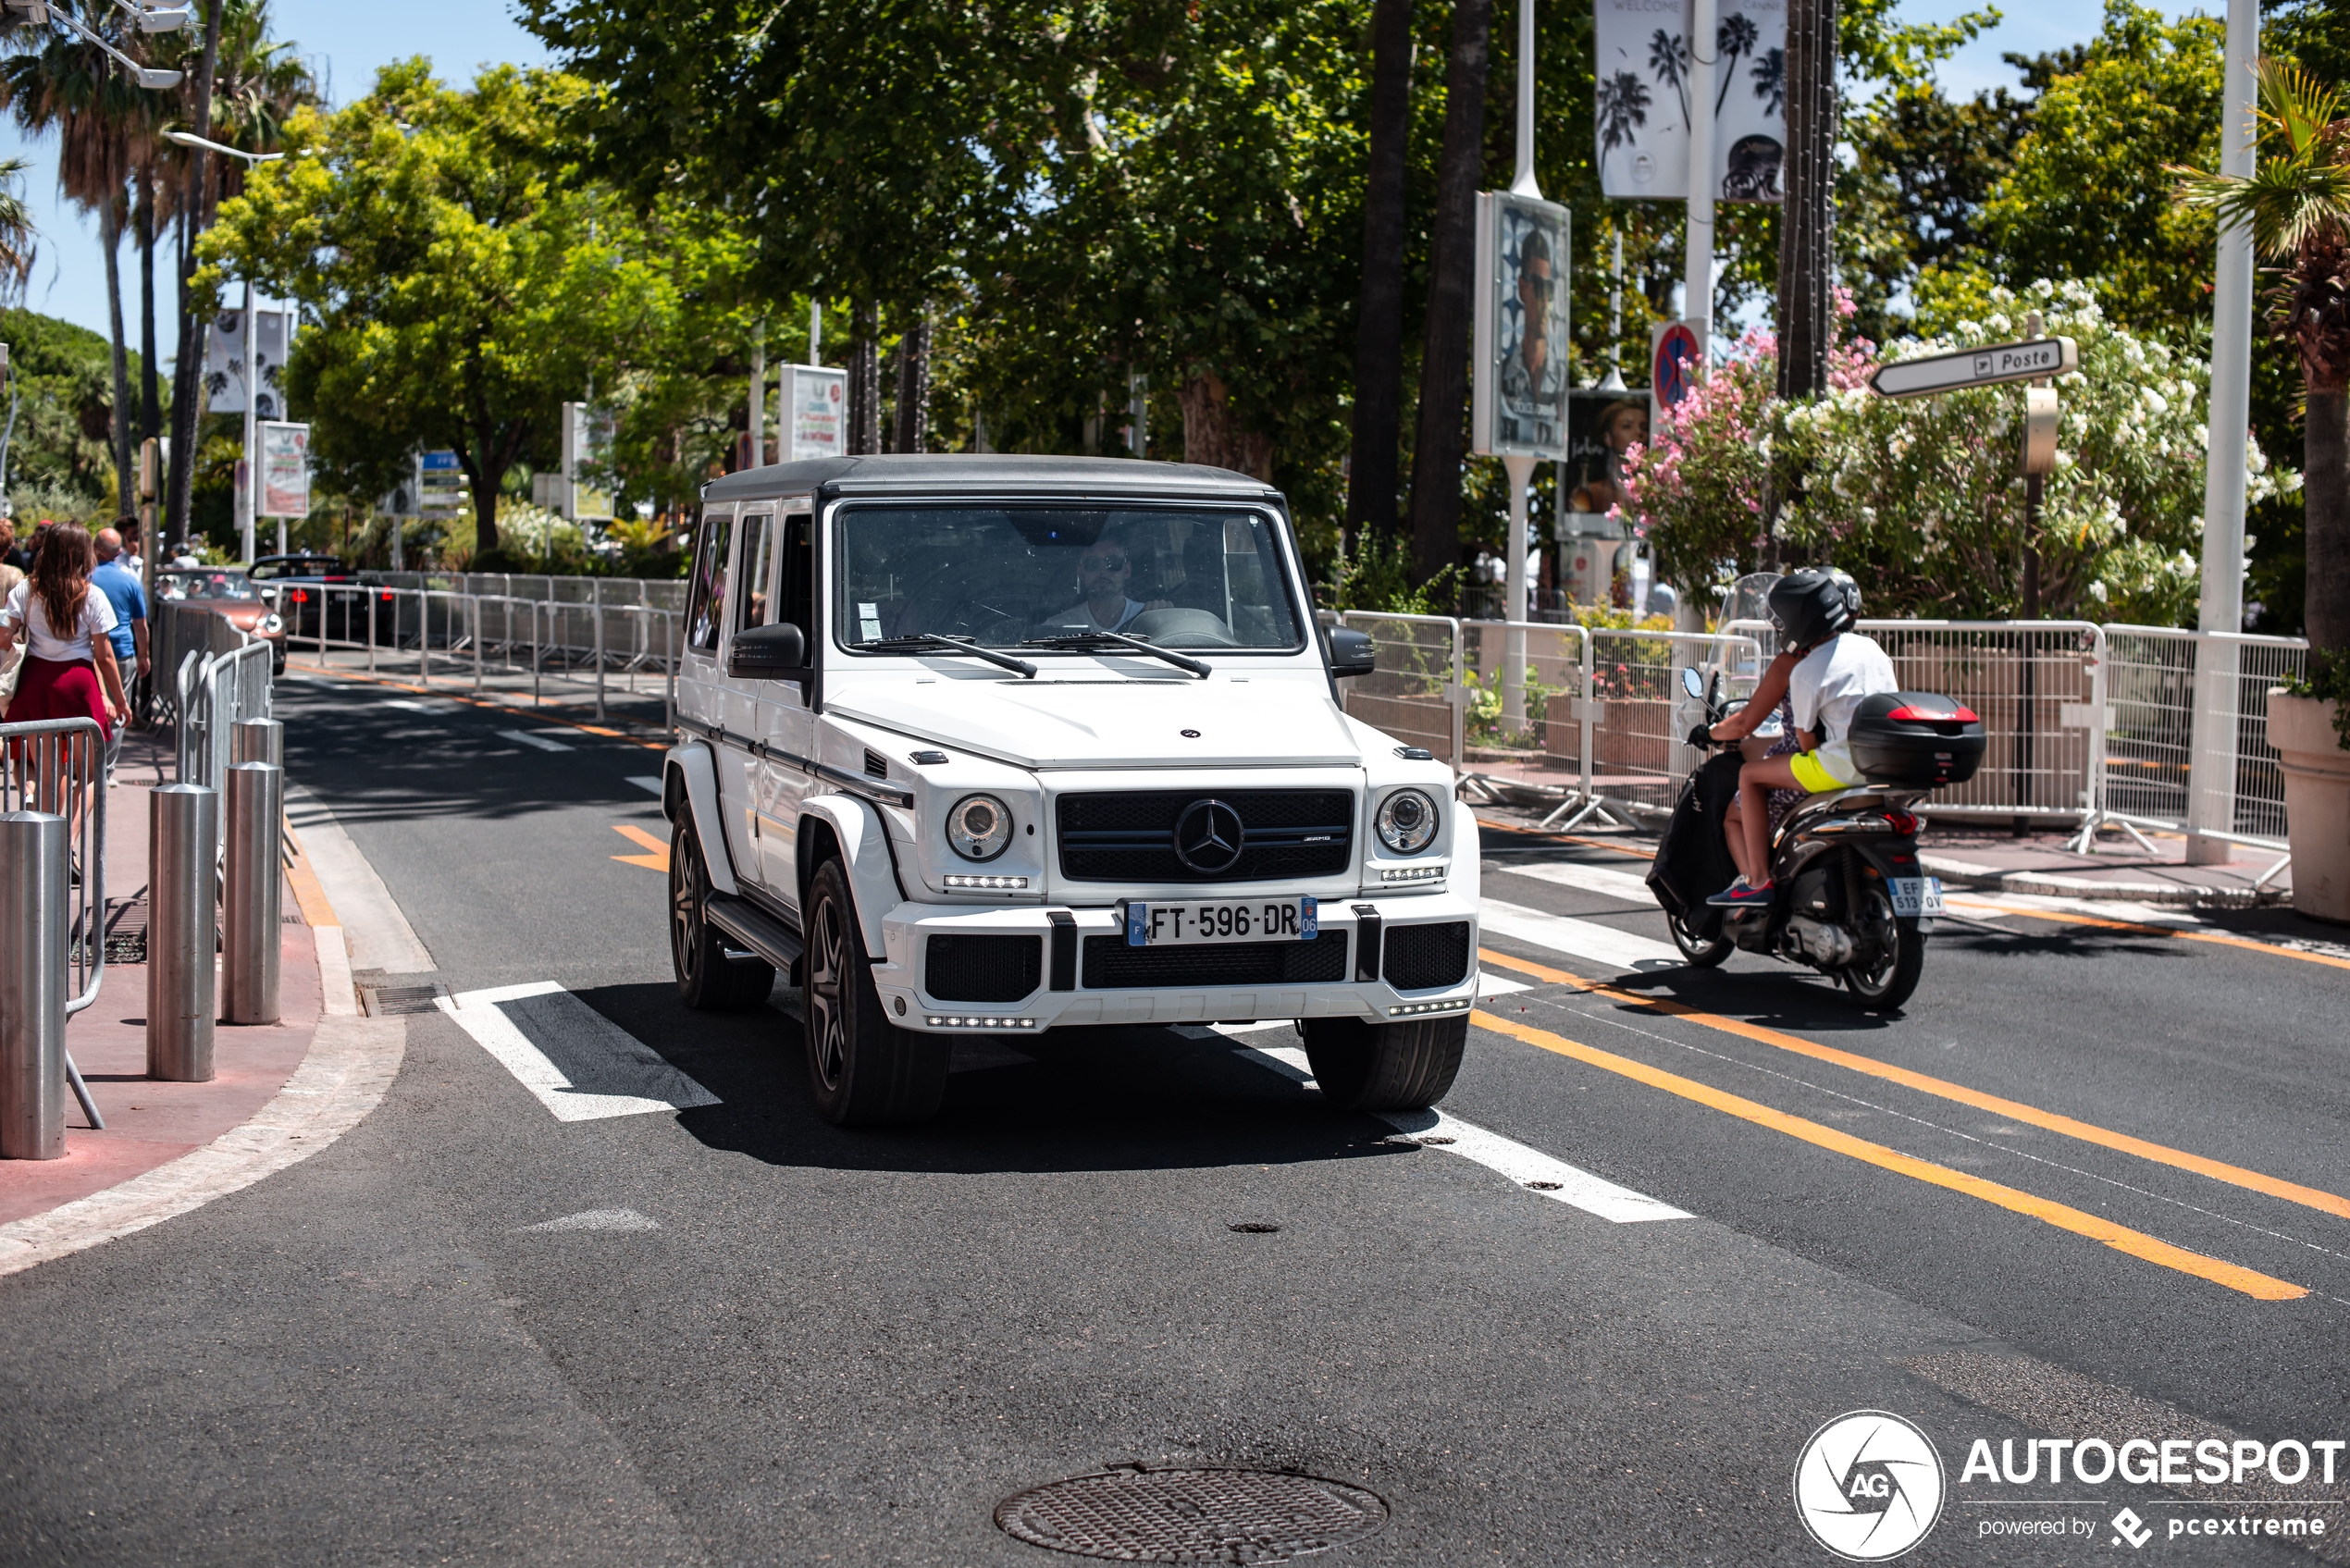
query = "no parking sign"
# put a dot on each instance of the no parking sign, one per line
(1673, 367)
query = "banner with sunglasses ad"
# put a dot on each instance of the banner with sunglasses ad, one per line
(1521, 328)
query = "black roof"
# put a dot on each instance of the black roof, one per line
(994, 472)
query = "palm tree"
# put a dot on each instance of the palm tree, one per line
(1770, 80)
(1624, 107)
(2297, 206)
(1669, 63)
(1733, 41)
(15, 234)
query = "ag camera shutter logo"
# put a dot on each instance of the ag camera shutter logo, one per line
(1869, 1485)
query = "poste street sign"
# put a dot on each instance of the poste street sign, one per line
(1986, 366)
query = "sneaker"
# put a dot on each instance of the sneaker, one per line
(1738, 896)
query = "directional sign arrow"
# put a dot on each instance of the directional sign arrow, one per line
(1986, 366)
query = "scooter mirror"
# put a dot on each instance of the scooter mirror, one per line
(1690, 683)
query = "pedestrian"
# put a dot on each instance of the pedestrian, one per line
(12, 573)
(118, 578)
(70, 669)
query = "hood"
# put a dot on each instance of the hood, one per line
(1043, 723)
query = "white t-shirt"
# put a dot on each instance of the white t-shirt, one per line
(1830, 681)
(23, 610)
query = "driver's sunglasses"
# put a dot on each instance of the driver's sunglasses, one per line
(1102, 564)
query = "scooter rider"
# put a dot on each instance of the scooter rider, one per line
(1833, 669)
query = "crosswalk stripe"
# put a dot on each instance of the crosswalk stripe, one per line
(544, 742)
(1570, 1185)
(1586, 879)
(578, 1064)
(1582, 939)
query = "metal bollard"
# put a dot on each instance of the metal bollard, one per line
(184, 838)
(32, 985)
(258, 740)
(254, 803)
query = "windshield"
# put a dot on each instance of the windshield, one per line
(1010, 575)
(204, 585)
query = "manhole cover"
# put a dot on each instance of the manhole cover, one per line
(1138, 1515)
(393, 1001)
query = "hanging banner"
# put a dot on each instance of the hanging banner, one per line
(224, 361)
(285, 469)
(1520, 409)
(1642, 102)
(813, 401)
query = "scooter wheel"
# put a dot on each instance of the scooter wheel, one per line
(1888, 978)
(1700, 954)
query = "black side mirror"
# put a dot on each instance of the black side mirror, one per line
(768, 653)
(1352, 653)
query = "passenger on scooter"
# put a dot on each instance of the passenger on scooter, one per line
(1829, 668)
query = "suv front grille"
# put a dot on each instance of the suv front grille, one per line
(1421, 956)
(1110, 965)
(1129, 836)
(983, 969)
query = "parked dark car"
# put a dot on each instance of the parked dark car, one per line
(294, 580)
(233, 595)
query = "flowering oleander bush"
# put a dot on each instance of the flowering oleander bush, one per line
(1920, 499)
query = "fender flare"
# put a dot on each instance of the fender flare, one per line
(1468, 856)
(689, 789)
(865, 853)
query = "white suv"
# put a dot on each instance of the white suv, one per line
(989, 746)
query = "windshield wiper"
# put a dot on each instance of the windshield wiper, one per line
(1119, 639)
(947, 645)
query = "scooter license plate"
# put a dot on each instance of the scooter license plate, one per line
(1200, 924)
(1917, 897)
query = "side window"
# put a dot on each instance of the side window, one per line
(751, 606)
(707, 612)
(795, 585)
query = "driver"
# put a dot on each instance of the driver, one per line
(1103, 572)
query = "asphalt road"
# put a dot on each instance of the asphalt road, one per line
(2084, 1184)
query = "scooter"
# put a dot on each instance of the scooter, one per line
(1850, 899)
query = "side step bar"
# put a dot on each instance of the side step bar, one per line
(755, 929)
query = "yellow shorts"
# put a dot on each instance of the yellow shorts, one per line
(1813, 774)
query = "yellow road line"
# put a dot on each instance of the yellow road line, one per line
(2014, 1110)
(310, 895)
(2218, 938)
(2235, 1276)
(657, 853)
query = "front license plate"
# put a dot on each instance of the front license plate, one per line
(1917, 896)
(1253, 919)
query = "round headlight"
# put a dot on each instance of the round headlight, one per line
(1407, 822)
(272, 623)
(979, 827)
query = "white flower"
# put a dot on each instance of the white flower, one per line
(2096, 591)
(2157, 401)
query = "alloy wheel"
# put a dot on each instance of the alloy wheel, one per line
(826, 964)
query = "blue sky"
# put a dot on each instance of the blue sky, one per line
(347, 42)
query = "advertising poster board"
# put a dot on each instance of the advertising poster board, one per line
(1521, 338)
(587, 483)
(285, 469)
(224, 361)
(1642, 108)
(1600, 427)
(815, 402)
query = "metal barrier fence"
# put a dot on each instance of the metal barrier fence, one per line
(589, 645)
(1415, 694)
(214, 693)
(2151, 685)
(178, 631)
(58, 766)
(653, 593)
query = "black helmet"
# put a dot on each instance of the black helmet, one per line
(1814, 604)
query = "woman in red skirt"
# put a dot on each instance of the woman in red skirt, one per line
(70, 669)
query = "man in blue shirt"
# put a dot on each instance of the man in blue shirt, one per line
(118, 580)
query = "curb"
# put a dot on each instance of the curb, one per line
(1982, 879)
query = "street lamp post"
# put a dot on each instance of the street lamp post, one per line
(245, 495)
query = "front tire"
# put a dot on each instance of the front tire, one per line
(1404, 1066)
(708, 981)
(862, 1069)
(1890, 976)
(1699, 953)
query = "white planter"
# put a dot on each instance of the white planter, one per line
(2316, 803)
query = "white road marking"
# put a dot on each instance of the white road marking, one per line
(528, 737)
(1576, 1187)
(647, 783)
(1490, 984)
(597, 1220)
(596, 1068)
(1587, 879)
(1580, 939)
(1249, 1028)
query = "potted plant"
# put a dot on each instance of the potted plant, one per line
(2298, 205)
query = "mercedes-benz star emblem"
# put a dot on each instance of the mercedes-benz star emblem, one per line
(1209, 837)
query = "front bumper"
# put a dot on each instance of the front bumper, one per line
(906, 930)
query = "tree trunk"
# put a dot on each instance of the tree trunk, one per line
(913, 387)
(864, 380)
(150, 372)
(1436, 452)
(1806, 218)
(188, 373)
(119, 421)
(2326, 517)
(1376, 455)
(1212, 435)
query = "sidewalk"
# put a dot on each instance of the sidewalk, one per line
(150, 1124)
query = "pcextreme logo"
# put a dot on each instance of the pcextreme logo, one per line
(1869, 1485)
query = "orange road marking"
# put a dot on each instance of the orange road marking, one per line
(2235, 1276)
(656, 856)
(2220, 938)
(309, 894)
(2015, 1110)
